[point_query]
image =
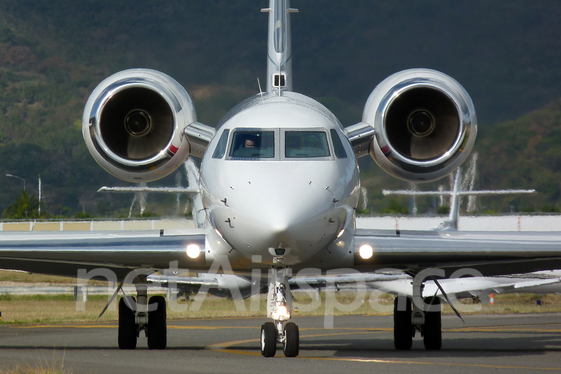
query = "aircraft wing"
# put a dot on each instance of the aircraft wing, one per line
(64, 253)
(489, 253)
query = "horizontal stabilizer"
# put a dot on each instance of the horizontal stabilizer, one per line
(150, 189)
(193, 281)
(458, 193)
(536, 283)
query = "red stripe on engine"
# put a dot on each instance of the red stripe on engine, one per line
(173, 149)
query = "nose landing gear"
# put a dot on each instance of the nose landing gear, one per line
(279, 308)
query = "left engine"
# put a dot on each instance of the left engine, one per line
(133, 124)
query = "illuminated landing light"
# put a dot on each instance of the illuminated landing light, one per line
(366, 251)
(340, 233)
(281, 314)
(193, 250)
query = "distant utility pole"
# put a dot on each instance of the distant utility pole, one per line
(40, 194)
(15, 176)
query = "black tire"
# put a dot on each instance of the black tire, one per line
(268, 339)
(127, 323)
(157, 329)
(291, 340)
(432, 331)
(402, 327)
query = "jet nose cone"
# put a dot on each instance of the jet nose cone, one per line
(300, 206)
(302, 223)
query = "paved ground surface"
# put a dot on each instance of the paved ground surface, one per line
(356, 344)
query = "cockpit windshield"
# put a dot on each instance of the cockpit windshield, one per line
(291, 144)
(306, 144)
(253, 144)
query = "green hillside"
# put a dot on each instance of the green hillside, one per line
(52, 54)
(524, 153)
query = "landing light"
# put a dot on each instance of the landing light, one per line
(193, 251)
(340, 233)
(281, 313)
(366, 251)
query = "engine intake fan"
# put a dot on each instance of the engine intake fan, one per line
(137, 123)
(425, 124)
(134, 122)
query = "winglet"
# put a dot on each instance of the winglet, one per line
(452, 223)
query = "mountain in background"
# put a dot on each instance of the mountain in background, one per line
(52, 54)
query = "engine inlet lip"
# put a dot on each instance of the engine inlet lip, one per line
(415, 130)
(130, 127)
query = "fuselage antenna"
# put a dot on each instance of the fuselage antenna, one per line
(259, 84)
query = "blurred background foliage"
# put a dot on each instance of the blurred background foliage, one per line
(52, 55)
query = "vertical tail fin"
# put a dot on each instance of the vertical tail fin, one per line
(279, 50)
(452, 222)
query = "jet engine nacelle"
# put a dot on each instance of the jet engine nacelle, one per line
(133, 124)
(425, 124)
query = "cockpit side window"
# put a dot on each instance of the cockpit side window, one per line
(337, 145)
(253, 144)
(306, 144)
(221, 146)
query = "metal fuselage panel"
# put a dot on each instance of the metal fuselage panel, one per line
(296, 204)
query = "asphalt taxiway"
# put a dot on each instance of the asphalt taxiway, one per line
(356, 344)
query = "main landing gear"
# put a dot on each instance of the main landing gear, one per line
(136, 315)
(279, 308)
(423, 316)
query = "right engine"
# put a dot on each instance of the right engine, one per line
(134, 123)
(424, 122)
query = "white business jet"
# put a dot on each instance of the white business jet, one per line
(279, 185)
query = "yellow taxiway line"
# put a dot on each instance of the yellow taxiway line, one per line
(226, 347)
